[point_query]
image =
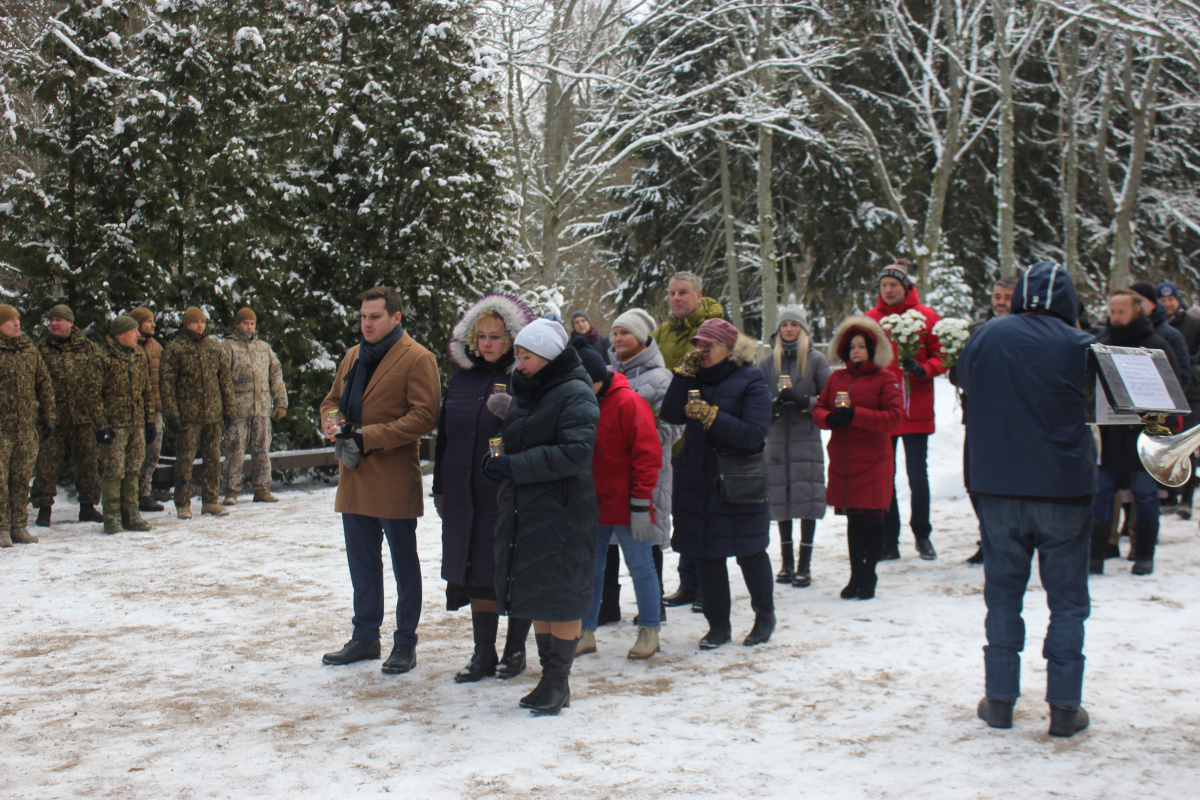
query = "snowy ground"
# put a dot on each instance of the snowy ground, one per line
(185, 662)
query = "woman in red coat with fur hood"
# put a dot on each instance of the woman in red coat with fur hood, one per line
(861, 463)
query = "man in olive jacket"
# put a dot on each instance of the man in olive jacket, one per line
(689, 308)
(28, 395)
(197, 396)
(385, 397)
(126, 423)
(153, 353)
(74, 364)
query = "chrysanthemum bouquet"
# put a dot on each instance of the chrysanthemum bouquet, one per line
(952, 333)
(906, 331)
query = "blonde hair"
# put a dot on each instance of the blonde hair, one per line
(802, 345)
(473, 338)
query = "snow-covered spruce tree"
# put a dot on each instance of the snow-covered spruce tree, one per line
(61, 225)
(398, 173)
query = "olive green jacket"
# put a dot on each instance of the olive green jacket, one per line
(74, 366)
(128, 399)
(25, 386)
(193, 379)
(674, 337)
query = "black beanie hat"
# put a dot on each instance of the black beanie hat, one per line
(592, 361)
(1145, 290)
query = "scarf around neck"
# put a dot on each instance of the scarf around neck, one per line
(369, 356)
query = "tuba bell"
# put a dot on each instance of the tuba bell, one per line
(1166, 457)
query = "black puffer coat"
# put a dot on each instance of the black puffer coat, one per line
(548, 516)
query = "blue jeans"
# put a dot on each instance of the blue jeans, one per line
(1013, 529)
(639, 557)
(1145, 494)
(364, 553)
(916, 454)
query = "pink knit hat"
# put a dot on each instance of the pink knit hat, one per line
(716, 330)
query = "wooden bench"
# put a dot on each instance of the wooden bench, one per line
(164, 474)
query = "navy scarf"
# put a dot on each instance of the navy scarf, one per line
(369, 356)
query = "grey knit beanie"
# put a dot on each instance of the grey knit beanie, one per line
(638, 322)
(795, 314)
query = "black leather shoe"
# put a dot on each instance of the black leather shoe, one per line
(925, 550)
(1067, 720)
(148, 504)
(976, 559)
(890, 554)
(714, 639)
(996, 713)
(481, 665)
(681, 597)
(764, 626)
(355, 650)
(1143, 566)
(698, 606)
(402, 659)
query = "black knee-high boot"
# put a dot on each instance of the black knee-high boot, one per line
(787, 571)
(808, 532)
(872, 545)
(854, 547)
(610, 602)
(543, 647)
(483, 661)
(556, 678)
(512, 663)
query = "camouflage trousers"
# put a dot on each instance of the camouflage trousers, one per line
(125, 455)
(18, 452)
(153, 451)
(82, 441)
(256, 431)
(205, 436)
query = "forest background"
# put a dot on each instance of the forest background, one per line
(286, 154)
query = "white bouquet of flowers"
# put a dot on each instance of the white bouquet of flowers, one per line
(906, 331)
(952, 333)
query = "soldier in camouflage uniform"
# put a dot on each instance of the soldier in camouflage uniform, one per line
(126, 424)
(74, 364)
(261, 396)
(28, 393)
(153, 353)
(197, 396)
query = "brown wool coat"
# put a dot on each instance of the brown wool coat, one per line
(400, 405)
(153, 351)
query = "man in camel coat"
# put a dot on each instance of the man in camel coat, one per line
(385, 397)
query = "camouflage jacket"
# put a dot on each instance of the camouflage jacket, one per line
(74, 365)
(125, 388)
(153, 351)
(256, 374)
(193, 379)
(25, 386)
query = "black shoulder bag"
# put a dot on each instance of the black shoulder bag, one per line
(742, 480)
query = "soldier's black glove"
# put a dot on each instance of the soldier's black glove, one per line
(840, 418)
(228, 420)
(151, 432)
(911, 366)
(105, 436)
(48, 428)
(175, 424)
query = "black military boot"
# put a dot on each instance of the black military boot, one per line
(43, 519)
(803, 578)
(146, 503)
(88, 513)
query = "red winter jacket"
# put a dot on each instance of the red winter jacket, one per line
(861, 462)
(918, 407)
(628, 453)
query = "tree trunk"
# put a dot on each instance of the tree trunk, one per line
(1001, 14)
(766, 214)
(1070, 149)
(731, 259)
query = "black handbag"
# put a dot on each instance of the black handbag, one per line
(742, 480)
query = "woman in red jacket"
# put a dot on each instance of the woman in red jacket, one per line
(861, 463)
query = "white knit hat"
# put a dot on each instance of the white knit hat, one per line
(543, 337)
(638, 322)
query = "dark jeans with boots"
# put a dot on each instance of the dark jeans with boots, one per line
(864, 542)
(916, 452)
(714, 586)
(1145, 494)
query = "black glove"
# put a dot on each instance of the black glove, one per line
(228, 420)
(840, 417)
(497, 467)
(48, 428)
(911, 366)
(349, 432)
(952, 375)
(175, 424)
(151, 432)
(105, 436)
(798, 401)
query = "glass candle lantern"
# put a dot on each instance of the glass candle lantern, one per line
(693, 394)
(785, 382)
(842, 400)
(496, 446)
(499, 388)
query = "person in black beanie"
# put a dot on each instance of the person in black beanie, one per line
(581, 325)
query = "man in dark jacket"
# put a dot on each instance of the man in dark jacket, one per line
(1129, 327)
(1147, 297)
(1187, 322)
(1033, 475)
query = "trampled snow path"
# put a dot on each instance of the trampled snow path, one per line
(186, 663)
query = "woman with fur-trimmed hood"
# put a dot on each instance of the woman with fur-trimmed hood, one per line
(731, 416)
(473, 410)
(861, 463)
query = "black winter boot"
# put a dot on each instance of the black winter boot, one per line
(543, 647)
(1143, 548)
(557, 694)
(43, 520)
(1101, 531)
(996, 713)
(872, 544)
(610, 606)
(764, 626)
(787, 571)
(808, 531)
(854, 545)
(1067, 720)
(88, 513)
(512, 663)
(483, 661)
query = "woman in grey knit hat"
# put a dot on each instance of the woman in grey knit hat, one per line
(795, 458)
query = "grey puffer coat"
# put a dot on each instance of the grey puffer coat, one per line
(795, 455)
(649, 377)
